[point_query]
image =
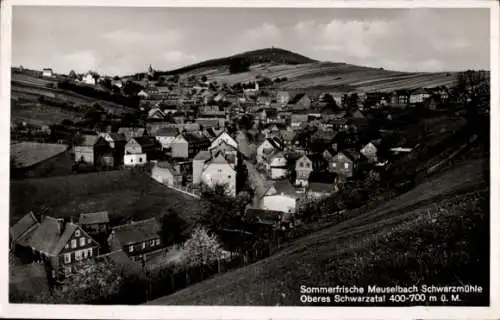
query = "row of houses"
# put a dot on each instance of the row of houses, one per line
(65, 246)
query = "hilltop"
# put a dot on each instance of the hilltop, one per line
(304, 73)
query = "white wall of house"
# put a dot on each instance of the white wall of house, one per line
(278, 173)
(216, 174)
(180, 148)
(132, 147)
(131, 160)
(47, 73)
(89, 79)
(84, 153)
(418, 98)
(278, 202)
(197, 170)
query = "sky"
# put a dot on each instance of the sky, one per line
(122, 41)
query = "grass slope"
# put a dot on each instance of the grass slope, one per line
(122, 193)
(434, 232)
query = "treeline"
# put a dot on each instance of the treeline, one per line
(129, 101)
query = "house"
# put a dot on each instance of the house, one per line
(303, 169)
(298, 121)
(143, 94)
(418, 96)
(282, 98)
(138, 150)
(27, 223)
(220, 170)
(370, 152)
(62, 245)
(136, 237)
(224, 137)
(95, 223)
(47, 72)
(267, 147)
(342, 165)
(89, 79)
(116, 142)
(166, 174)
(400, 97)
(299, 102)
(156, 113)
(212, 122)
(276, 165)
(132, 132)
(117, 83)
(84, 149)
(198, 165)
(280, 196)
(165, 136)
(187, 145)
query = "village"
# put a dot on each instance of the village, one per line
(280, 151)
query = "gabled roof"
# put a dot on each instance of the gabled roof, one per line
(146, 141)
(26, 223)
(94, 218)
(275, 142)
(218, 159)
(419, 91)
(132, 131)
(202, 155)
(47, 237)
(296, 98)
(136, 232)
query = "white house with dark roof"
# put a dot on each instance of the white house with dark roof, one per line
(47, 72)
(220, 169)
(63, 245)
(280, 196)
(224, 137)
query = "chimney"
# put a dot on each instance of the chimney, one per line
(62, 225)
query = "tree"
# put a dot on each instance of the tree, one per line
(132, 88)
(72, 74)
(201, 248)
(239, 65)
(204, 78)
(106, 83)
(219, 209)
(173, 228)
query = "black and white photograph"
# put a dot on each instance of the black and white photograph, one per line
(322, 156)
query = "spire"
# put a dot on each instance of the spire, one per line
(150, 69)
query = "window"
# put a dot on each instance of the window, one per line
(131, 248)
(66, 246)
(77, 233)
(334, 165)
(140, 159)
(85, 252)
(73, 243)
(308, 165)
(229, 176)
(301, 164)
(144, 245)
(82, 241)
(157, 241)
(346, 165)
(67, 258)
(152, 243)
(90, 252)
(78, 255)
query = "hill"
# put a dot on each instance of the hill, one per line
(432, 234)
(124, 194)
(58, 104)
(303, 73)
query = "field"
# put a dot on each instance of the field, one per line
(330, 76)
(123, 194)
(435, 232)
(26, 91)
